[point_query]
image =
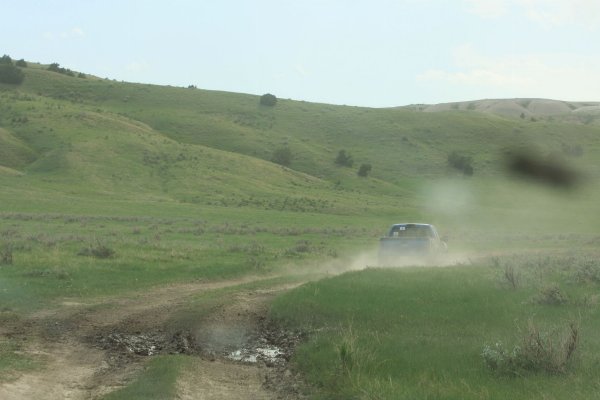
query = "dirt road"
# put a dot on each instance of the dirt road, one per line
(95, 348)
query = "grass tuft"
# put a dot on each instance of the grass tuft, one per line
(97, 250)
(6, 254)
(550, 295)
(511, 276)
(587, 271)
(347, 349)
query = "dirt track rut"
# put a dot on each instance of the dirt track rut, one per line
(94, 348)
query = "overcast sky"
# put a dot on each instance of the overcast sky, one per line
(376, 53)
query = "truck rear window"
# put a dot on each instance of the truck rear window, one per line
(418, 231)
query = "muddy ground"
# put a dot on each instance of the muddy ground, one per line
(95, 348)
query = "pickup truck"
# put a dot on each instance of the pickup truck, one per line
(410, 240)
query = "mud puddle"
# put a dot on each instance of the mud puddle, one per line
(94, 351)
(273, 347)
(268, 355)
(147, 344)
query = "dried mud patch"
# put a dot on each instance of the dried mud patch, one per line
(238, 337)
(146, 343)
(93, 350)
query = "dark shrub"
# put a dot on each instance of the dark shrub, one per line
(364, 170)
(268, 99)
(282, 156)
(11, 74)
(5, 59)
(55, 67)
(343, 159)
(461, 163)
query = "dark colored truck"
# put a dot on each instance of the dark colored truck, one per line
(410, 240)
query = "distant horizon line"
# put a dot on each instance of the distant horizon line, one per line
(193, 86)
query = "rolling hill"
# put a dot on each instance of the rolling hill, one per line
(91, 138)
(567, 111)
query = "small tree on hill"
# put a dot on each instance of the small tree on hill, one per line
(343, 159)
(461, 163)
(5, 59)
(268, 99)
(55, 67)
(282, 156)
(11, 74)
(364, 170)
(21, 63)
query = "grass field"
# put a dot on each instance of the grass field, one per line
(111, 189)
(417, 333)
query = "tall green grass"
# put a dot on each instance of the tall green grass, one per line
(419, 333)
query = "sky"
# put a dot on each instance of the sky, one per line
(375, 53)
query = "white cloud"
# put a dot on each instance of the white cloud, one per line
(300, 70)
(548, 13)
(77, 32)
(487, 8)
(551, 13)
(560, 76)
(137, 66)
(475, 77)
(70, 34)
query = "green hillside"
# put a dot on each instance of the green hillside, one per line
(400, 143)
(96, 138)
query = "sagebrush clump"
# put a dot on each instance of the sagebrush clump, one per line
(461, 162)
(6, 254)
(97, 250)
(550, 295)
(549, 352)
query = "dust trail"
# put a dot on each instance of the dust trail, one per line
(369, 259)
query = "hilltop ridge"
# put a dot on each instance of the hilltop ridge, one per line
(584, 112)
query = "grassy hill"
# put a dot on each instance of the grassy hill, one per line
(531, 109)
(88, 145)
(104, 138)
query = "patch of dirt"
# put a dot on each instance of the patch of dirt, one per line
(222, 380)
(70, 367)
(238, 338)
(95, 348)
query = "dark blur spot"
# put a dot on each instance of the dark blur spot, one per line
(543, 170)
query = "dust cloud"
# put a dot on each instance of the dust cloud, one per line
(366, 259)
